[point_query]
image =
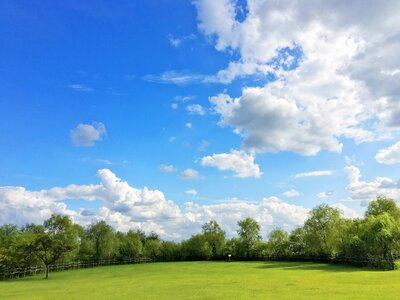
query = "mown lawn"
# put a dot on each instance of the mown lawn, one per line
(210, 280)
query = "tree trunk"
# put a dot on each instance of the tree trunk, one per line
(47, 271)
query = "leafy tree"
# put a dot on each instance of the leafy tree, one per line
(197, 248)
(249, 235)
(170, 251)
(53, 240)
(278, 243)
(102, 240)
(152, 248)
(215, 237)
(322, 231)
(383, 205)
(297, 243)
(131, 246)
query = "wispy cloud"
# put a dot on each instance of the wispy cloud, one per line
(313, 174)
(167, 168)
(81, 88)
(175, 77)
(176, 42)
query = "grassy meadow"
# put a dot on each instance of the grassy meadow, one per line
(209, 280)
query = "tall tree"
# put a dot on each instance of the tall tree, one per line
(103, 240)
(215, 237)
(249, 235)
(52, 240)
(322, 230)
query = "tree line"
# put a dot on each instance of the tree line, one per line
(372, 240)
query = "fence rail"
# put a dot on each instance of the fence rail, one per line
(34, 270)
(387, 264)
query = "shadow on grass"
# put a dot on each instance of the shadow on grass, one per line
(312, 266)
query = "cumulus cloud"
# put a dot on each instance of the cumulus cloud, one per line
(367, 191)
(174, 106)
(389, 156)
(196, 109)
(313, 174)
(189, 125)
(126, 207)
(191, 192)
(167, 168)
(346, 212)
(85, 135)
(291, 193)
(335, 70)
(237, 161)
(190, 174)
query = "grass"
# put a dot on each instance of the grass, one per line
(209, 280)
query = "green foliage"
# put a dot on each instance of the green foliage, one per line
(152, 248)
(131, 246)
(215, 237)
(373, 240)
(52, 240)
(249, 235)
(278, 243)
(197, 248)
(322, 231)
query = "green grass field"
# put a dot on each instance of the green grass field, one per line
(209, 280)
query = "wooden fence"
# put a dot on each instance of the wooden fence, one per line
(34, 270)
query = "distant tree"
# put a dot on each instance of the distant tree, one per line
(101, 237)
(249, 235)
(197, 248)
(297, 243)
(131, 246)
(278, 243)
(152, 248)
(215, 237)
(170, 251)
(383, 205)
(52, 240)
(322, 231)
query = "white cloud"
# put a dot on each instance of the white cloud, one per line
(191, 192)
(196, 109)
(346, 212)
(190, 174)
(367, 191)
(174, 106)
(86, 135)
(313, 174)
(175, 77)
(389, 156)
(336, 69)
(172, 139)
(126, 207)
(237, 161)
(167, 168)
(184, 98)
(81, 88)
(291, 193)
(188, 125)
(325, 194)
(175, 42)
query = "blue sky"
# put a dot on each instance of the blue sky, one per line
(131, 86)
